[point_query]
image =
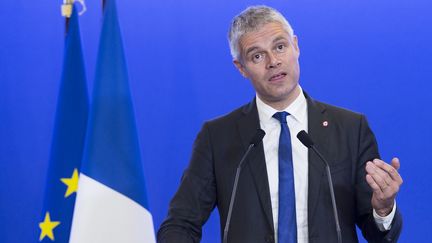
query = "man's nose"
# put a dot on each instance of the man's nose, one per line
(273, 61)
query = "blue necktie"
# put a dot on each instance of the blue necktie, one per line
(287, 224)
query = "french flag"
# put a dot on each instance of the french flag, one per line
(111, 204)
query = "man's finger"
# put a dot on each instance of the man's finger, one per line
(390, 170)
(375, 187)
(381, 177)
(395, 163)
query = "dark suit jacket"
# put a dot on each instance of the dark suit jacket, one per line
(347, 143)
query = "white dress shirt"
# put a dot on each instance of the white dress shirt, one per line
(297, 121)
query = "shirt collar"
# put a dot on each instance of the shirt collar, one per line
(297, 109)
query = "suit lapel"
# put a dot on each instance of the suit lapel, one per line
(247, 126)
(318, 131)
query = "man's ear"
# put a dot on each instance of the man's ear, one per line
(240, 67)
(295, 43)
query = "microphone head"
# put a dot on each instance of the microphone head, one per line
(257, 138)
(305, 139)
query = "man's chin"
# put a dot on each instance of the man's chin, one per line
(286, 97)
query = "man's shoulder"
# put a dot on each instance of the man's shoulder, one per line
(227, 125)
(233, 116)
(337, 111)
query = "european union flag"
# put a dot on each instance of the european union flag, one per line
(67, 142)
(111, 203)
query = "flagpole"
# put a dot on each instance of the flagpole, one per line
(66, 10)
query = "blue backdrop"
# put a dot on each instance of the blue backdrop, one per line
(370, 56)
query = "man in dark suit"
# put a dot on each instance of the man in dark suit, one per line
(283, 195)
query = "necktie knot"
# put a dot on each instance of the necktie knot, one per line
(281, 116)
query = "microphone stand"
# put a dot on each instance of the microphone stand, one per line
(234, 193)
(332, 194)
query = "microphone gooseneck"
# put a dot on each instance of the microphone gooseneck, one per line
(306, 140)
(255, 141)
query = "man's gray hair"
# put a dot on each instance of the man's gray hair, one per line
(251, 19)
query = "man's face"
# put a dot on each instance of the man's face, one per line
(269, 58)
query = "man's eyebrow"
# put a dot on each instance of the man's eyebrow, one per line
(279, 38)
(251, 49)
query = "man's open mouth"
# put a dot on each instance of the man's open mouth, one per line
(277, 76)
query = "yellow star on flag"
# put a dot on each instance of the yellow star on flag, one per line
(47, 227)
(71, 183)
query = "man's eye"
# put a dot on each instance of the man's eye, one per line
(257, 57)
(280, 47)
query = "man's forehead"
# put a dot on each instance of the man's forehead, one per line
(267, 34)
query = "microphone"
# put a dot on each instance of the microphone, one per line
(306, 140)
(255, 141)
